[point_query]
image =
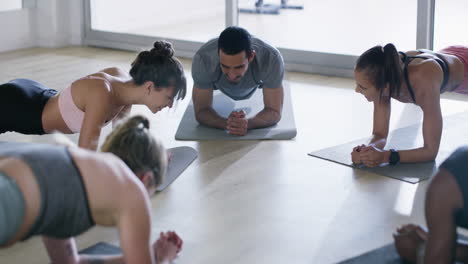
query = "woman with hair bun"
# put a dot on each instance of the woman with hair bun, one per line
(418, 77)
(156, 79)
(109, 188)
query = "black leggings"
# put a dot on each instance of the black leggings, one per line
(21, 104)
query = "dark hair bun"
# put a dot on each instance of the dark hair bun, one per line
(138, 122)
(163, 49)
(145, 122)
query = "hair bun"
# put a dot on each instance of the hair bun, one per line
(145, 122)
(163, 48)
(138, 122)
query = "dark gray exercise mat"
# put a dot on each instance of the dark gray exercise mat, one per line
(102, 248)
(454, 134)
(384, 255)
(180, 159)
(190, 129)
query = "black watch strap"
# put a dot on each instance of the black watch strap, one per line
(394, 157)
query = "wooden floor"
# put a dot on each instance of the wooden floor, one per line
(258, 201)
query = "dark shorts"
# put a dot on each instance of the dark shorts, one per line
(457, 166)
(21, 104)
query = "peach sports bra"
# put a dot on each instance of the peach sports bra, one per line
(71, 114)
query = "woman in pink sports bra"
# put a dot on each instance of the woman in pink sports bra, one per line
(156, 78)
(418, 77)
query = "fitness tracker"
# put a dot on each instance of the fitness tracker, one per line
(394, 157)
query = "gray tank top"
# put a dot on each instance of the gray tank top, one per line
(64, 209)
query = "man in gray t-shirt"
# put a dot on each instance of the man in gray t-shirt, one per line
(237, 64)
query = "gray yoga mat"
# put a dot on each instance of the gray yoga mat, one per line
(180, 159)
(190, 129)
(384, 255)
(454, 134)
(102, 248)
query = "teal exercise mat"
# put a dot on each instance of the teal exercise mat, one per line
(102, 248)
(383, 255)
(190, 129)
(179, 160)
(454, 134)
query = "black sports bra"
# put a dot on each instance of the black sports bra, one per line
(439, 59)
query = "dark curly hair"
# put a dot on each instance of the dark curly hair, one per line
(161, 67)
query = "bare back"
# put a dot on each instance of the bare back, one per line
(108, 182)
(425, 73)
(82, 91)
(117, 198)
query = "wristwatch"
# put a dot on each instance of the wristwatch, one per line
(394, 157)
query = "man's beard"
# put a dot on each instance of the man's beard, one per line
(236, 80)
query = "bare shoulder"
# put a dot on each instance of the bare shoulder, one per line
(105, 169)
(445, 189)
(101, 164)
(97, 89)
(111, 186)
(412, 52)
(120, 171)
(98, 98)
(124, 186)
(116, 72)
(427, 73)
(427, 78)
(94, 92)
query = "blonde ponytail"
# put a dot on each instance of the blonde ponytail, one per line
(132, 142)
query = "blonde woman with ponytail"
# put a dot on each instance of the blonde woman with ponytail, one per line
(107, 189)
(156, 79)
(417, 77)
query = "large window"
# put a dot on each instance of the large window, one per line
(321, 36)
(175, 19)
(333, 26)
(7, 5)
(451, 23)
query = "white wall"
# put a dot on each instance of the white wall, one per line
(17, 30)
(51, 23)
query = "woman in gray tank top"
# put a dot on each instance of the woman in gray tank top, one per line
(60, 192)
